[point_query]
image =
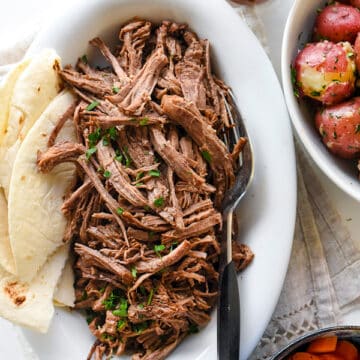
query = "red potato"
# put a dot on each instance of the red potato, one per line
(339, 126)
(337, 22)
(357, 52)
(355, 3)
(325, 71)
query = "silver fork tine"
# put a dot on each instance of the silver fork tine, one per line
(228, 302)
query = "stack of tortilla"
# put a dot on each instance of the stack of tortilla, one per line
(32, 252)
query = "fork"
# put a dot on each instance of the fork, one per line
(228, 310)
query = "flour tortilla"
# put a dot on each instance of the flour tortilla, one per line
(6, 92)
(65, 293)
(30, 304)
(36, 222)
(6, 257)
(33, 90)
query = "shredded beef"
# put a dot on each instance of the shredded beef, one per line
(144, 215)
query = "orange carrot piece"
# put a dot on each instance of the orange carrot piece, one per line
(304, 356)
(346, 350)
(330, 356)
(323, 345)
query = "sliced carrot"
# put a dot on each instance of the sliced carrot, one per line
(304, 356)
(346, 350)
(330, 356)
(323, 345)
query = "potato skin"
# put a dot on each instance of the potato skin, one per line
(357, 52)
(325, 71)
(337, 22)
(339, 127)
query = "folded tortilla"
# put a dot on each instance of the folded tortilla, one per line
(30, 304)
(65, 294)
(6, 92)
(33, 90)
(36, 222)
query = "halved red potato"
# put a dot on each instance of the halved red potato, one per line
(337, 22)
(325, 71)
(339, 127)
(357, 52)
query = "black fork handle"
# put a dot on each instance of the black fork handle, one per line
(228, 338)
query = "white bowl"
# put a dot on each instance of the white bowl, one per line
(297, 32)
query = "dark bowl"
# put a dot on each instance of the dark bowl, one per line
(351, 333)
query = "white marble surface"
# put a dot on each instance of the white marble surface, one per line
(18, 17)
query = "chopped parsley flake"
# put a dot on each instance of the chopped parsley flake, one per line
(111, 302)
(159, 201)
(122, 308)
(90, 152)
(159, 248)
(133, 271)
(84, 59)
(115, 89)
(154, 173)
(144, 121)
(92, 106)
(207, 156)
(315, 93)
(139, 175)
(120, 211)
(107, 174)
(94, 137)
(121, 324)
(150, 297)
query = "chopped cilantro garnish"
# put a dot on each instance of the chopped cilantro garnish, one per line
(92, 106)
(84, 295)
(84, 59)
(193, 329)
(150, 297)
(121, 324)
(154, 173)
(120, 211)
(113, 133)
(141, 306)
(159, 248)
(173, 245)
(94, 137)
(127, 157)
(107, 174)
(106, 141)
(144, 121)
(122, 309)
(90, 152)
(139, 328)
(206, 155)
(147, 208)
(159, 201)
(139, 176)
(111, 302)
(115, 89)
(315, 93)
(139, 184)
(350, 54)
(133, 271)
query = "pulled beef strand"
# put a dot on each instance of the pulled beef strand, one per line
(144, 216)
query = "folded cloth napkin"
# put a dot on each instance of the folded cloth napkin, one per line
(325, 261)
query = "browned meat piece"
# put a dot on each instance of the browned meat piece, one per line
(134, 36)
(186, 115)
(195, 229)
(174, 158)
(242, 255)
(57, 154)
(112, 59)
(157, 264)
(109, 121)
(94, 85)
(118, 177)
(95, 258)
